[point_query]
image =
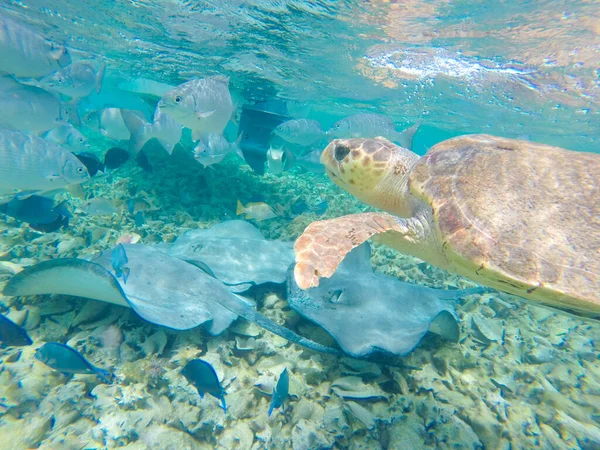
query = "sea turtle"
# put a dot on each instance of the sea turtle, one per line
(514, 215)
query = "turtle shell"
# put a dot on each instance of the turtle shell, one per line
(519, 216)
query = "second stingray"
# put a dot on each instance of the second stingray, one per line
(367, 312)
(236, 253)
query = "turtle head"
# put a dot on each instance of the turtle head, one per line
(373, 170)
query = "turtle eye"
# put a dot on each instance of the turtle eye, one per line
(178, 99)
(341, 151)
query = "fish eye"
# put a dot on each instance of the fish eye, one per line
(80, 140)
(178, 99)
(60, 80)
(80, 170)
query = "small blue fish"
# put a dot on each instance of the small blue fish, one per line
(118, 259)
(68, 360)
(39, 212)
(204, 378)
(281, 391)
(11, 334)
(139, 218)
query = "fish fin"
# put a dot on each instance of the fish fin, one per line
(205, 114)
(126, 272)
(168, 147)
(63, 210)
(196, 135)
(237, 147)
(271, 406)
(73, 110)
(221, 78)
(233, 117)
(240, 208)
(100, 77)
(223, 404)
(405, 137)
(140, 130)
(201, 394)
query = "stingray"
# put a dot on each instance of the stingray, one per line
(236, 253)
(161, 289)
(367, 312)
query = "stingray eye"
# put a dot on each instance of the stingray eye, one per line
(178, 99)
(341, 151)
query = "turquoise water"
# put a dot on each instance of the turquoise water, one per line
(519, 375)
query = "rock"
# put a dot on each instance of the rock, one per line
(353, 387)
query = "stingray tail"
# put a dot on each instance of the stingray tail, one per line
(247, 312)
(454, 294)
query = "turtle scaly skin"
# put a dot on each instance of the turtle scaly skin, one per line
(517, 216)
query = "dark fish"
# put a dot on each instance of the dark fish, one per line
(91, 161)
(143, 162)
(281, 391)
(68, 360)
(204, 378)
(118, 259)
(321, 208)
(39, 212)
(115, 158)
(11, 334)
(299, 207)
(139, 218)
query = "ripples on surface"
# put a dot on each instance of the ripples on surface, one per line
(508, 68)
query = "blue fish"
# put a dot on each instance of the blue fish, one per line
(139, 218)
(11, 334)
(281, 391)
(118, 259)
(204, 378)
(68, 360)
(39, 212)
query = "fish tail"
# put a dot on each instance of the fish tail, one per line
(139, 129)
(100, 78)
(240, 208)
(237, 146)
(405, 137)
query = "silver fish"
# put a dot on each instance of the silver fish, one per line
(144, 86)
(202, 105)
(76, 80)
(68, 136)
(98, 206)
(28, 108)
(213, 148)
(276, 160)
(372, 126)
(109, 122)
(310, 161)
(29, 163)
(25, 53)
(300, 131)
(165, 129)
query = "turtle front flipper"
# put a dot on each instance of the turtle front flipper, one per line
(324, 244)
